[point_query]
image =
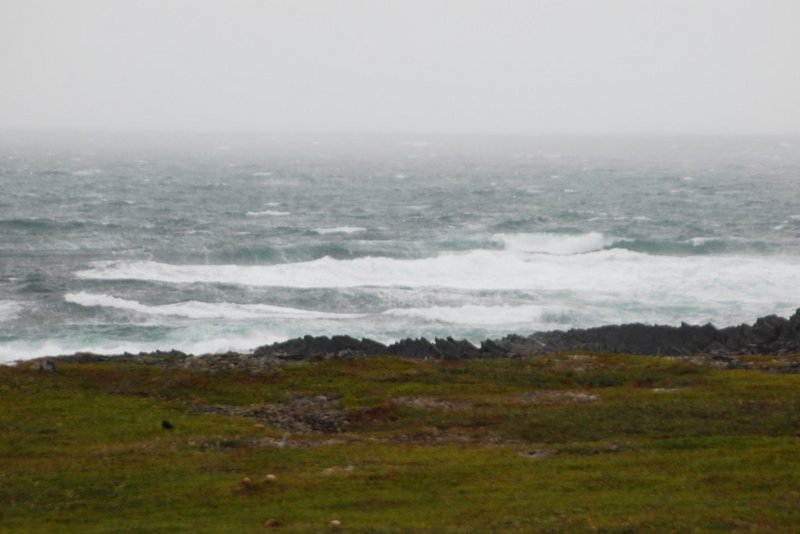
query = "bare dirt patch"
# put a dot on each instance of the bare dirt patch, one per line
(429, 403)
(298, 414)
(557, 397)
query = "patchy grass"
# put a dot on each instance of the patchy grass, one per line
(589, 443)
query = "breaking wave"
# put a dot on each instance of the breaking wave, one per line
(613, 274)
(561, 244)
(267, 213)
(477, 315)
(339, 230)
(202, 310)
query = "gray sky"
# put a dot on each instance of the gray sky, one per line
(405, 66)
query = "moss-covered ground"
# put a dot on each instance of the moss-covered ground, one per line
(592, 443)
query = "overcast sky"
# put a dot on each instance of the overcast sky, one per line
(405, 66)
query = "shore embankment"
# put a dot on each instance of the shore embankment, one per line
(769, 335)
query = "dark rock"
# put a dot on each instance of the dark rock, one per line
(320, 346)
(450, 349)
(768, 335)
(413, 348)
(492, 349)
(715, 348)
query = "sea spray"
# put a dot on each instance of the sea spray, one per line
(127, 246)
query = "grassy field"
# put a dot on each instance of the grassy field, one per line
(583, 443)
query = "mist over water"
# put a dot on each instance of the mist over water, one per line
(202, 243)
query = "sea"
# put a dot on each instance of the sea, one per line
(209, 242)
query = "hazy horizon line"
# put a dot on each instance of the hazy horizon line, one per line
(369, 133)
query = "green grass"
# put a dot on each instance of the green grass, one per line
(603, 443)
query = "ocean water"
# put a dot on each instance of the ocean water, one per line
(205, 243)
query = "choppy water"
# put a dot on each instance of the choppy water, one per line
(115, 243)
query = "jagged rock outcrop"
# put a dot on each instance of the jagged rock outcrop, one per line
(768, 335)
(308, 346)
(440, 349)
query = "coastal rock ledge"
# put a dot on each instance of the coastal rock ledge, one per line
(768, 335)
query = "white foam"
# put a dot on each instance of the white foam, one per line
(613, 279)
(262, 173)
(202, 310)
(23, 350)
(267, 213)
(700, 241)
(477, 315)
(86, 172)
(9, 310)
(554, 243)
(339, 230)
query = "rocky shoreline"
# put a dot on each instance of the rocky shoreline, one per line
(770, 335)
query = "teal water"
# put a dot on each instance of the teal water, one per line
(202, 243)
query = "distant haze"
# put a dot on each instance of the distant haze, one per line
(463, 66)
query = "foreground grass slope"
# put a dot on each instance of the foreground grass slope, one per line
(586, 443)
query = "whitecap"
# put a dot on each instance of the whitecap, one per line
(193, 343)
(547, 243)
(201, 310)
(86, 172)
(479, 315)
(733, 288)
(339, 230)
(267, 213)
(9, 309)
(700, 241)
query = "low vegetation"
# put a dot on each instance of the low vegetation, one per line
(584, 443)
